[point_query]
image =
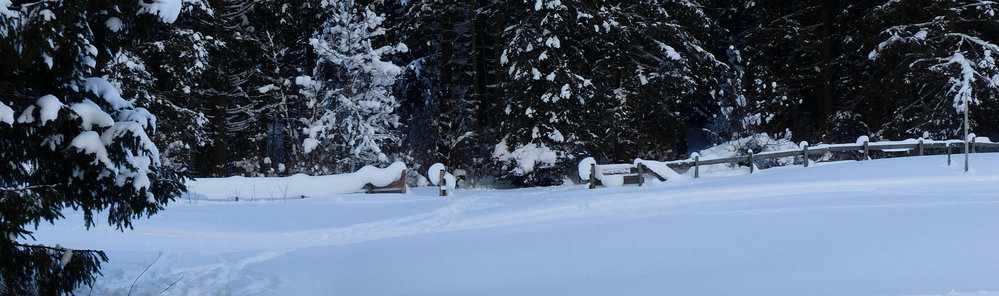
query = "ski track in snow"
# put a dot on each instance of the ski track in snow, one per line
(235, 249)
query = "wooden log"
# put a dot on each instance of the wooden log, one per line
(697, 169)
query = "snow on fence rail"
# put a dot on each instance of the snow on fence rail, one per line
(300, 185)
(863, 146)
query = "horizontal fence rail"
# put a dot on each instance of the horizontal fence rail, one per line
(863, 148)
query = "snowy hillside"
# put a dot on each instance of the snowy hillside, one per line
(909, 226)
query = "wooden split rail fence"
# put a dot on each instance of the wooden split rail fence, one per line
(919, 147)
(911, 147)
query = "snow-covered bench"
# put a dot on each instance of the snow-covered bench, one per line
(615, 175)
(397, 186)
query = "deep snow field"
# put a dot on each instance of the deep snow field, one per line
(904, 226)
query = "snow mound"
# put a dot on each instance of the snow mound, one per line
(527, 156)
(299, 185)
(434, 173)
(584, 167)
(611, 180)
(435, 176)
(661, 169)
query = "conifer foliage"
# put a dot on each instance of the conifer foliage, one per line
(352, 106)
(104, 103)
(68, 139)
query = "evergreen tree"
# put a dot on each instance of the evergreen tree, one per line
(540, 130)
(653, 60)
(67, 137)
(352, 104)
(926, 60)
(440, 87)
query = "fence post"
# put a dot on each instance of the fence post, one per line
(443, 184)
(641, 175)
(403, 178)
(593, 176)
(696, 167)
(866, 152)
(973, 149)
(948, 153)
(750, 161)
(920, 146)
(804, 154)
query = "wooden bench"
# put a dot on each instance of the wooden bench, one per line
(397, 186)
(630, 173)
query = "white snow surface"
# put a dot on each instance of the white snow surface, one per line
(6, 114)
(295, 186)
(901, 226)
(434, 173)
(91, 114)
(167, 10)
(102, 88)
(48, 108)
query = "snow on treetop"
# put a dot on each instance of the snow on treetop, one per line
(138, 115)
(167, 10)
(6, 113)
(91, 114)
(89, 142)
(104, 89)
(5, 11)
(49, 108)
(527, 156)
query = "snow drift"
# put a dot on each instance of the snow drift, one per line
(299, 185)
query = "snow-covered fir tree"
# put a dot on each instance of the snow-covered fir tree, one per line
(68, 139)
(540, 129)
(353, 120)
(653, 60)
(931, 60)
(442, 88)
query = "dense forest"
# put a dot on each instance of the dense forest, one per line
(106, 105)
(518, 90)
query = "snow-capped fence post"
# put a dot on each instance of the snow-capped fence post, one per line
(697, 169)
(920, 146)
(593, 176)
(751, 161)
(867, 155)
(804, 154)
(641, 174)
(948, 153)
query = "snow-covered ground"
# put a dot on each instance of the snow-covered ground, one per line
(907, 226)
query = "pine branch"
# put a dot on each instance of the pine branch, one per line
(16, 244)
